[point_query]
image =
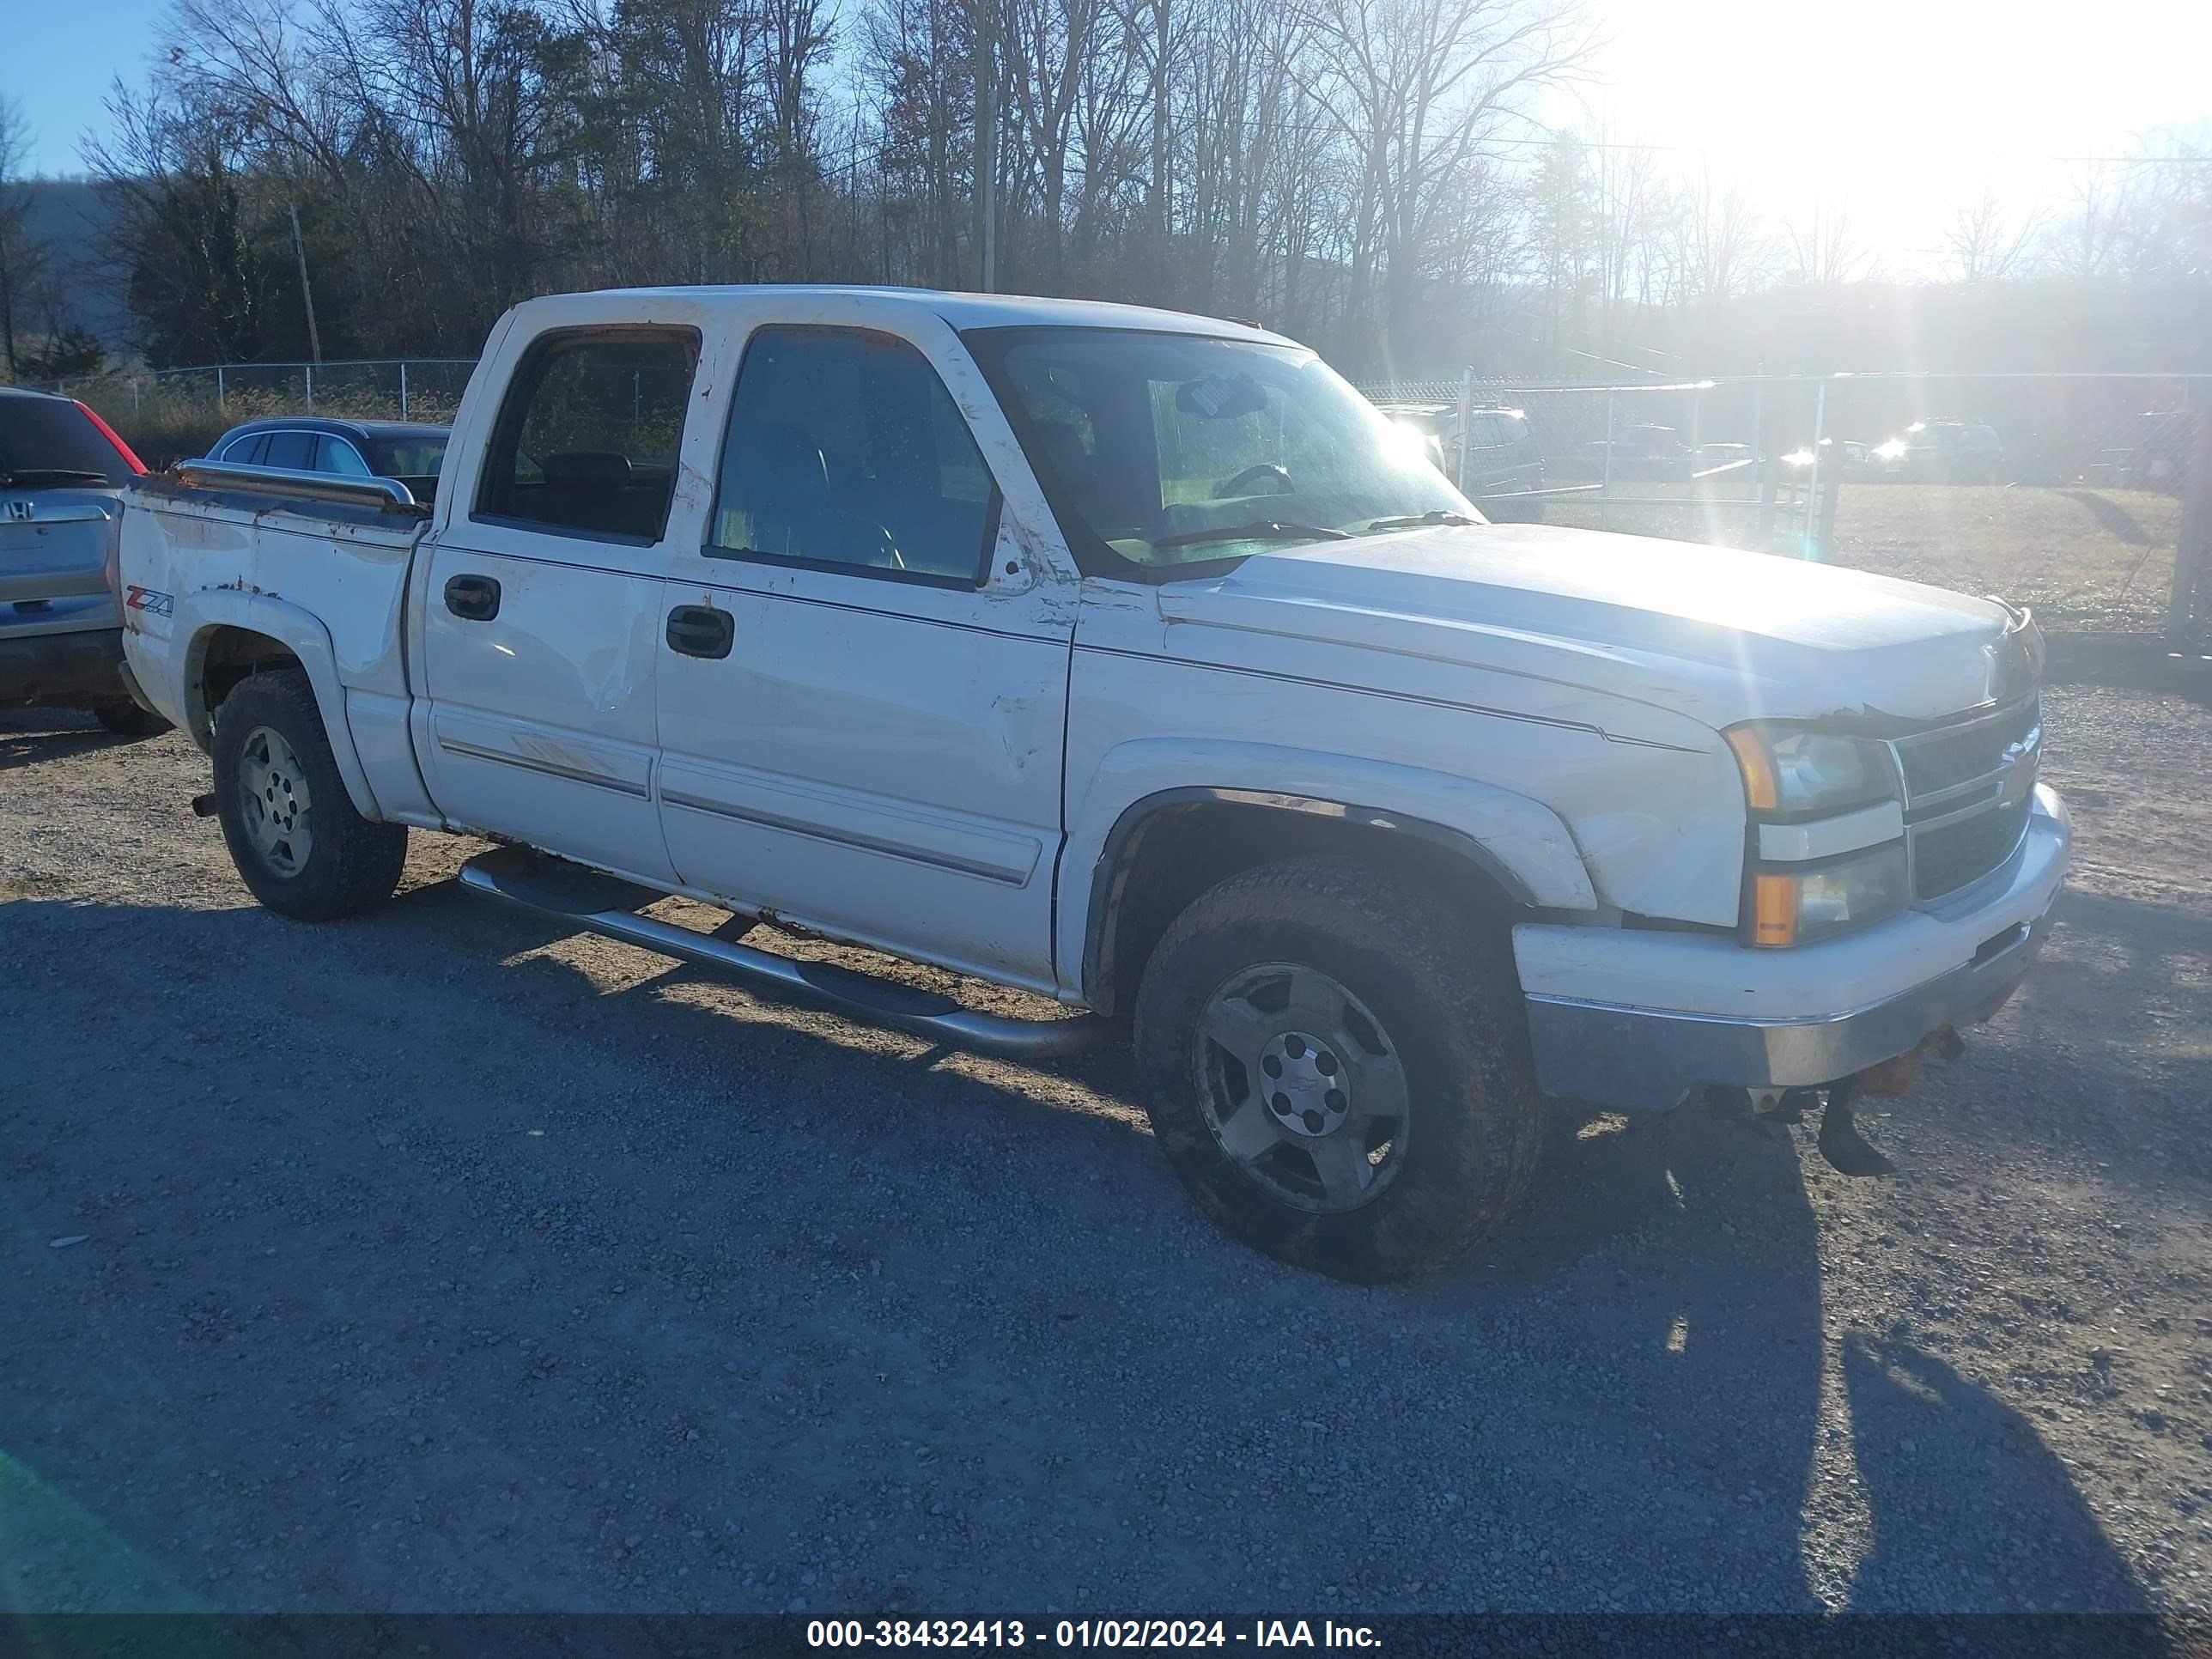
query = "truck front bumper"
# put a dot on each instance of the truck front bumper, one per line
(1663, 1013)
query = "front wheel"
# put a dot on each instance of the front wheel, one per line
(292, 831)
(1338, 1071)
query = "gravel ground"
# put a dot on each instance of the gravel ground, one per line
(437, 1261)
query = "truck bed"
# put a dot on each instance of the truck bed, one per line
(317, 563)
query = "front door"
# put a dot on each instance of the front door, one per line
(863, 684)
(542, 608)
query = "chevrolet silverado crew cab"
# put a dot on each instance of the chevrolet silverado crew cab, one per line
(1130, 659)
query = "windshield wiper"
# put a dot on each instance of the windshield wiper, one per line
(25, 477)
(1270, 529)
(1413, 520)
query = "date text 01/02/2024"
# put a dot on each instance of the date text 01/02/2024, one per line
(1082, 1633)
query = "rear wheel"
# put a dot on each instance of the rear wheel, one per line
(292, 831)
(1338, 1072)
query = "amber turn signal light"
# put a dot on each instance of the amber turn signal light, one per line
(1773, 909)
(1759, 787)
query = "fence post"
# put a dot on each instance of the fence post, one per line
(2192, 554)
(134, 394)
(218, 386)
(310, 368)
(1812, 547)
(1605, 488)
(403, 388)
(1831, 492)
(1466, 422)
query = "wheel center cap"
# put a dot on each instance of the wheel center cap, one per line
(1304, 1085)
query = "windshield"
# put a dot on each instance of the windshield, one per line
(1170, 450)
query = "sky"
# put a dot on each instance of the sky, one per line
(1902, 108)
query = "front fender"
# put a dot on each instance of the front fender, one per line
(199, 616)
(1521, 841)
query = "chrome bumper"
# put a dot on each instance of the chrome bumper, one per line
(1637, 1059)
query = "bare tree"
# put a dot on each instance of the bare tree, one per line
(1983, 244)
(23, 255)
(1721, 246)
(1824, 252)
(1417, 89)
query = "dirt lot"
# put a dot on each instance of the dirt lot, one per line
(434, 1262)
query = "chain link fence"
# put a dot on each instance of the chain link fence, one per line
(2087, 496)
(174, 414)
(2084, 496)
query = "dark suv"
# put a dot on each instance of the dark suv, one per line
(410, 452)
(1502, 460)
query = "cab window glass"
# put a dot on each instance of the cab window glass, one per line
(587, 439)
(844, 449)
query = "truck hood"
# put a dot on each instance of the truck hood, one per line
(1709, 632)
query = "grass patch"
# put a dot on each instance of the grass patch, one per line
(2091, 560)
(2088, 559)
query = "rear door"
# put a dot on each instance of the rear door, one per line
(542, 606)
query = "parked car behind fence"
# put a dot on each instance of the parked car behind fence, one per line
(1941, 452)
(408, 452)
(1503, 459)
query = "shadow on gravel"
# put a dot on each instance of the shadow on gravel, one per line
(437, 1274)
(29, 736)
(2104, 1067)
(1959, 1483)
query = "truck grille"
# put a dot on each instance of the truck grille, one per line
(1967, 794)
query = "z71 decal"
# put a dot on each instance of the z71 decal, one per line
(146, 600)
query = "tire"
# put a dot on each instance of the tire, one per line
(299, 845)
(1423, 987)
(128, 720)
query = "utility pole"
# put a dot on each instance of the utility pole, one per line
(987, 144)
(306, 293)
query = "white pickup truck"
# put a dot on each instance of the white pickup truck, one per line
(1131, 659)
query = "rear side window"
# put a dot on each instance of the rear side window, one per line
(338, 455)
(587, 439)
(296, 450)
(845, 450)
(51, 435)
(246, 450)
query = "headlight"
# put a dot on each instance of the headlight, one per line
(1803, 905)
(1789, 769)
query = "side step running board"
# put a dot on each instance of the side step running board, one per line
(604, 905)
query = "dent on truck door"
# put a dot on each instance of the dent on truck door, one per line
(862, 713)
(541, 626)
